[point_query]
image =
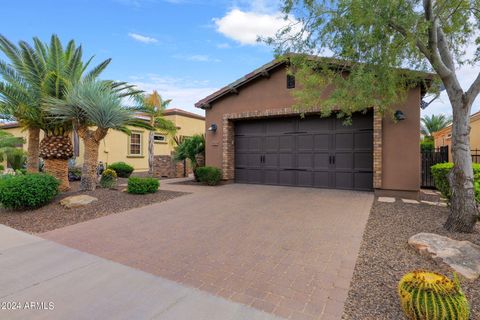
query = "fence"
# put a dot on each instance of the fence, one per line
(476, 155)
(430, 158)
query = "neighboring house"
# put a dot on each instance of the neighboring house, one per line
(260, 139)
(443, 137)
(133, 149)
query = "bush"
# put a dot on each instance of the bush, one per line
(440, 172)
(427, 145)
(28, 191)
(2, 167)
(108, 179)
(142, 185)
(209, 175)
(74, 173)
(123, 170)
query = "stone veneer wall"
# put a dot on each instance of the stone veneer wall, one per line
(228, 156)
(165, 166)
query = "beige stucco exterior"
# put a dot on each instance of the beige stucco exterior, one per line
(115, 146)
(443, 137)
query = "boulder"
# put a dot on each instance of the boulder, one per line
(77, 201)
(461, 256)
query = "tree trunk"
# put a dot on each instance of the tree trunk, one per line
(463, 209)
(151, 152)
(33, 149)
(90, 161)
(59, 169)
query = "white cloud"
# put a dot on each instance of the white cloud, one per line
(196, 58)
(223, 45)
(246, 26)
(142, 38)
(184, 92)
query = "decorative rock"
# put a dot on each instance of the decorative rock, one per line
(386, 199)
(461, 256)
(410, 201)
(77, 201)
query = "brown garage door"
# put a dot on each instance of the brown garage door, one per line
(308, 152)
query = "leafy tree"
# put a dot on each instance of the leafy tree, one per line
(11, 150)
(94, 107)
(153, 106)
(434, 123)
(189, 148)
(33, 73)
(371, 41)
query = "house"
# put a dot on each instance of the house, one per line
(255, 136)
(133, 149)
(443, 138)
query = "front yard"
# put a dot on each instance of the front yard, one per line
(385, 257)
(54, 215)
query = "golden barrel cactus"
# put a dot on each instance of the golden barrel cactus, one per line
(432, 296)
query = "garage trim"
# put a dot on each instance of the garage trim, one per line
(228, 139)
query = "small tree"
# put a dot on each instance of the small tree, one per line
(433, 123)
(189, 148)
(153, 106)
(372, 40)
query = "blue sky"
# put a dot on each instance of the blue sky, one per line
(186, 49)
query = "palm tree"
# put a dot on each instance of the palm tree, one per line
(153, 106)
(434, 123)
(34, 73)
(94, 107)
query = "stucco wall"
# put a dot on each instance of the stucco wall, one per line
(115, 145)
(443, 138)
(400, 156)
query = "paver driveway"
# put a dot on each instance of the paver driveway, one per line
(289, 251)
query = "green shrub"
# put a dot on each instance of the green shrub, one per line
(440, 172)
(209, 175)
(123, 170)
(427, 145)
(142, 185)
(2, 167)
(108, 179)
(27, 191)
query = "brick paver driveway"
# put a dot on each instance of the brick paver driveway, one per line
(289, 251)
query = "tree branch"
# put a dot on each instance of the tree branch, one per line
(474, 89)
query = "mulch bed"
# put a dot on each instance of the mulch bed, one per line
(385, 257)
(54, 216)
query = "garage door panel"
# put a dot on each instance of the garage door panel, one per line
(255, 144)
(344, 180)
(286, 177)
(271, 176)
(286, 160)
(305, 143)
(286, 143)
(241, 160)
(241, 175)
(241, 144)
(304, 160)
(250, 128)
(321, 161)
(363, 161)
(322, 142)
(344, 141)
(321, 179)
(255, 175)
(271, 144)
(315, 124)
(254, 160)
(280, 126)
(363, 180)
(305, 178)
(344, 160)
(271, 160)
(363, 140)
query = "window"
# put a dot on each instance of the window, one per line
(290, 81)
(135, 145)
(159, 138)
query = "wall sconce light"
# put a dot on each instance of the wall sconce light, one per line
(399, 115)
(213, 127)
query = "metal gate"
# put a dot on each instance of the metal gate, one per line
(430, 158)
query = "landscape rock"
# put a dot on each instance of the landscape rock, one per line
(461, 256)
(77, 201)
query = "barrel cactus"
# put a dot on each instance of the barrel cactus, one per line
(432, 296)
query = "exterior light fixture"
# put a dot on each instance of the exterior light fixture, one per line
(399, 115)
(213, 127)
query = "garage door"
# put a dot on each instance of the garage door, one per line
(308, 152)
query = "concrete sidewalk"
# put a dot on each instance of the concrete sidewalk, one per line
(64, 283)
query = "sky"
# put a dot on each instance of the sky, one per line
(184, 49)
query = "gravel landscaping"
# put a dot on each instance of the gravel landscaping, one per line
(385, 257)
(53, 215)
